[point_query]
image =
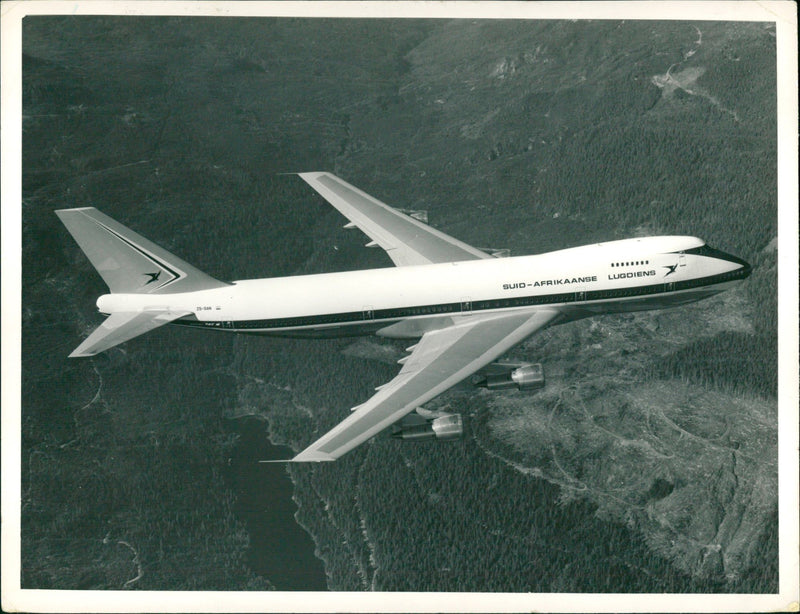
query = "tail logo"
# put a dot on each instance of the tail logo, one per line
(153, 277)
(175, 273)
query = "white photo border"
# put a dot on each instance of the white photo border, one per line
(14, 598)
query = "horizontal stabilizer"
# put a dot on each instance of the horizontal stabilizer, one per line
(120, 327)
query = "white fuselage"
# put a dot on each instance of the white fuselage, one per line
(626, 275)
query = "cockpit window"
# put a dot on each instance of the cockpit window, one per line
(703, 250)
(710, 252)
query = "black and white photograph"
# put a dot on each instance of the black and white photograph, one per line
(399, 306)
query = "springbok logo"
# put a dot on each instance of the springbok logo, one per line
(153, 277)
(671, 268)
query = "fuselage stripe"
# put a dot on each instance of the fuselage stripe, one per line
(456, 308)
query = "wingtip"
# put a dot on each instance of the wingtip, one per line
(298, 459)
(313, 456)
(311, 175)
(60, 212)
(306, 456)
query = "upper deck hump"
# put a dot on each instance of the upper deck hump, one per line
(657, 245)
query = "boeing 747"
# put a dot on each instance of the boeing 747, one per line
(463, 307)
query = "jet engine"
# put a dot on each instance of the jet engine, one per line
(524, 376)
(445, 427)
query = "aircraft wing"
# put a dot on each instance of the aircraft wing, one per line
(440, 359)
(407, 241)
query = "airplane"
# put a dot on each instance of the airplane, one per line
(464, 308)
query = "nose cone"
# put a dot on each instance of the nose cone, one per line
(742, 272)
(746, 270)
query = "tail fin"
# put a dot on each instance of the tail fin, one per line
(128, 262)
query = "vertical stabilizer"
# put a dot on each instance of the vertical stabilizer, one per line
(128, 262)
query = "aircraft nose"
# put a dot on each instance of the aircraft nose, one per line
(742, 272)
(744, 269)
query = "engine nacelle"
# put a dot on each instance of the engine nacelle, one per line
(523, 377)
(414, 427)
